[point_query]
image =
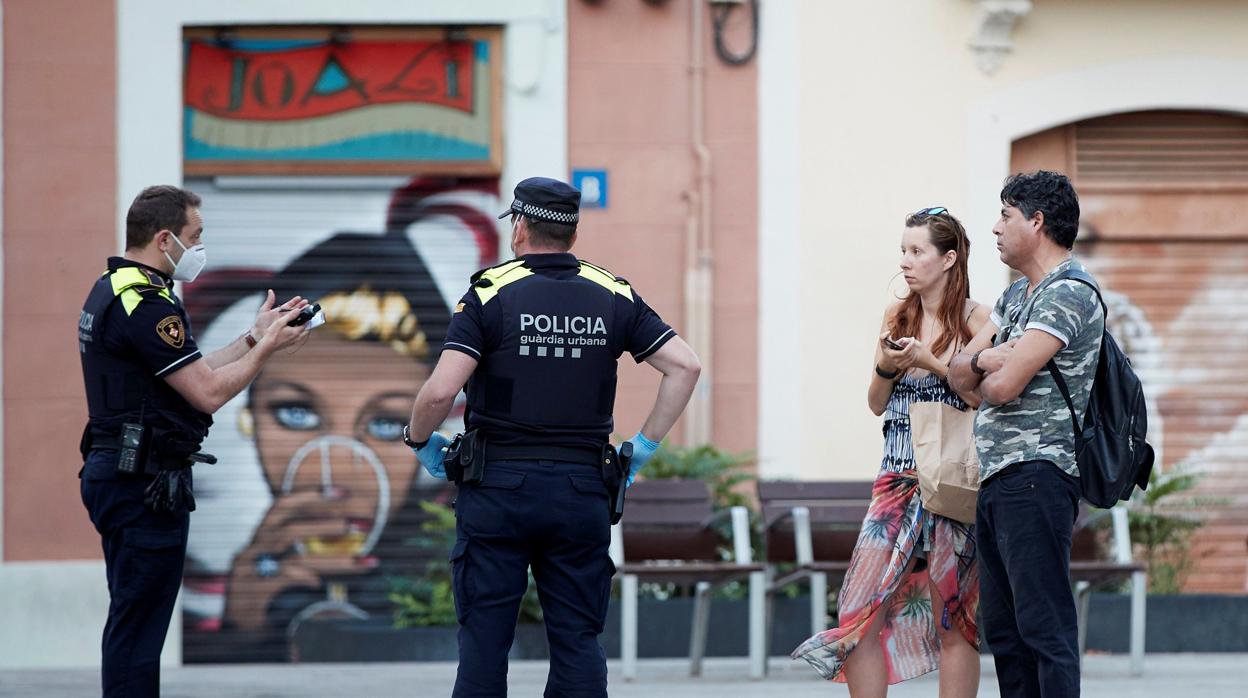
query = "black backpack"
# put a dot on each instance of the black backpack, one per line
(1110, 449)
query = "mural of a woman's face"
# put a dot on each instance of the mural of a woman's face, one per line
(317, 415)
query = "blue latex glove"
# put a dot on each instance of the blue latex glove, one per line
(431, 455)
(643, 448)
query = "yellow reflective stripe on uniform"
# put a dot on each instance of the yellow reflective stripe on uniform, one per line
(499, 277)
(164, 293)
(605, 279)
(130, 300)
(126, 277)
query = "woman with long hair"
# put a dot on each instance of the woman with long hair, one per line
(908, 603)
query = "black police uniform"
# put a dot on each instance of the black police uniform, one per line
(132, 333)
(547, 330)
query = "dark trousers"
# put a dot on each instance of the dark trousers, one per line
(1023, 524)
(143, 557)
(551, 516)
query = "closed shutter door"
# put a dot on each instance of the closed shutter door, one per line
(1180, 310)
(316, 508)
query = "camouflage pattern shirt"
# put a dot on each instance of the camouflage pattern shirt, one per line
(1036, 425)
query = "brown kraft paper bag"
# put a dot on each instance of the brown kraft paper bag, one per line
(944, 455)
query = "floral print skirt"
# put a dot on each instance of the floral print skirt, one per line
(881, 579)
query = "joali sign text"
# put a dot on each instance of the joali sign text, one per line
(361, 106)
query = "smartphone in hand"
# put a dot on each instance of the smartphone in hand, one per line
(888, 342)
(308, 313)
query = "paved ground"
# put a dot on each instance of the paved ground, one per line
(1183, 675)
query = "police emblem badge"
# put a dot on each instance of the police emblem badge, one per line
(170, 329)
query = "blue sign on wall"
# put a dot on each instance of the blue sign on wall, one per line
(593, 186)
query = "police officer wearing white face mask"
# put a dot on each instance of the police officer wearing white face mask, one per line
(150, 394)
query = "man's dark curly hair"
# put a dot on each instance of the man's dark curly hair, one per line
(1050, 193)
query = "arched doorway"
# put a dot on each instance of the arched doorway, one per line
(1165, 217)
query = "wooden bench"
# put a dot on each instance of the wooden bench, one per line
(669, 535)
(1089, 567)
(813, 527)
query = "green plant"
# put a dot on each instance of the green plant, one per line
(1164, 536)
(723, 471)
(429, 599)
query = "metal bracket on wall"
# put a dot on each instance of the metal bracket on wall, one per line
(991, 41)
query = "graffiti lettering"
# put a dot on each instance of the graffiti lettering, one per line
(287, 82)
(316, 81)
(334, 69)
(423, 87)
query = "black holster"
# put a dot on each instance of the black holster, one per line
(464, 460)
(614, 471)
(169, 459)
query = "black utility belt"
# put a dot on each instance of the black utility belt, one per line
(466, 458)
(570, 454)
(142, 450)
(155, 462)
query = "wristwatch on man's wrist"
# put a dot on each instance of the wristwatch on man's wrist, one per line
(407, 439)
(975, 363)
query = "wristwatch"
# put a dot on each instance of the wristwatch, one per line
(885, 374)
(975, 363)
(250, 339)
(407, 439)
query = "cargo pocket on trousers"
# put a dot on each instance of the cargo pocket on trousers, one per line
(588, 485)
(459, 578)
(591, 522)
(151, 563)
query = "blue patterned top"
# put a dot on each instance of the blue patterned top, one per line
(898, 449)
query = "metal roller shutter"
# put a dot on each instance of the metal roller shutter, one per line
(315, 508)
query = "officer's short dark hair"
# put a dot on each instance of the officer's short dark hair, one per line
(1050, 193)
(162, 207)
(550, 234)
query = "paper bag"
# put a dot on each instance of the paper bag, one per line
(944, 455)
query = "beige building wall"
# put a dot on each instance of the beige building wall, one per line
(893, 114)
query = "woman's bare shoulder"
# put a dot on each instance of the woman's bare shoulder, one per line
(978, 315)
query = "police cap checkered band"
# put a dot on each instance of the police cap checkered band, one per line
(544, 199)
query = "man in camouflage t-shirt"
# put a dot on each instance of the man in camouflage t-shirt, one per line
(1029, 486)
(1035, 426)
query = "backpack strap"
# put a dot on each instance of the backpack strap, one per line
(1070, 404)
(1086, 279)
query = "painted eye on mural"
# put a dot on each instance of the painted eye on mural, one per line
(297, 416)
(386, 427)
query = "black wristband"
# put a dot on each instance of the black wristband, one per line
(407, 439)
(885, 374)
(975, 363)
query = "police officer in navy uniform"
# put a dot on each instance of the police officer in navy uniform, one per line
(536, 340)
(150, 394)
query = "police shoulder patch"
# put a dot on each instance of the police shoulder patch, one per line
(605, 279)
(170, 329)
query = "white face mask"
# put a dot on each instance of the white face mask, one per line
(192, 262)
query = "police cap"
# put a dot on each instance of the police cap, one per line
(545, 199)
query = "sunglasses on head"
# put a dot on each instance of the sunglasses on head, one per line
(933, 211)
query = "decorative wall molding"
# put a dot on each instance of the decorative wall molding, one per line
(991, 40)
